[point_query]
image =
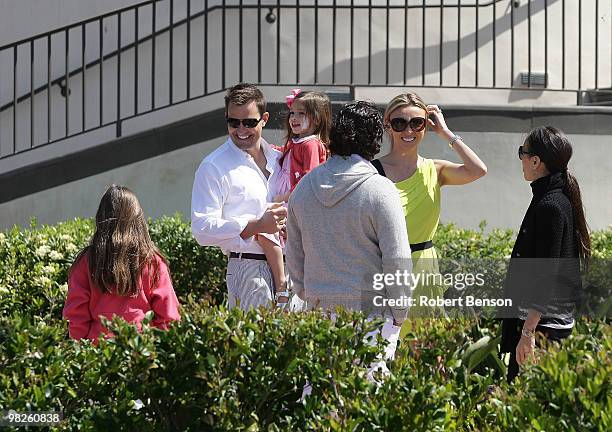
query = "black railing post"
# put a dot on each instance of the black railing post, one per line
(459, 43)
(118, 75)
(15, 99)
(49, 87)
(83, 72)
(32, 93)
(563, 44)
(387, 45)
(316, 41)
(334, 43)
(545, 43)
(101, 83)
(223, 46)
(259, 40)
(405, 39)
(423, 43)
(529, 43)
(240, 36)
(153, 24)
(370, 42)
(205, 44)
(136, 43)
(580, 45)
(511, 45)
(352, 36)
(188, 80)
(297, 41)
(596, 44)
(171, 55)
(477, 41)
(66, 81)
(494, 43)
(278, 46)
(441, 40)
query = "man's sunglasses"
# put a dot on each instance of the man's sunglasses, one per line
(522, 152)
(417, 124)
(247, 123)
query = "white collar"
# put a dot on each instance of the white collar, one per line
(299, 140)
(270, 153)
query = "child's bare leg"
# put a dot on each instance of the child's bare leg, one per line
(274, 256)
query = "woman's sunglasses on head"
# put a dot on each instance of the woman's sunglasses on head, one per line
(417, 124)
(247, 123)
(522, 152)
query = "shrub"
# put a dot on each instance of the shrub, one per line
(220, 369)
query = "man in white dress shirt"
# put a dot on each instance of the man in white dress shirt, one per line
(231, 196)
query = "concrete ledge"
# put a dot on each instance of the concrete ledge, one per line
(120, 152)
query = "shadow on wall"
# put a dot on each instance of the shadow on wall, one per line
(432, 65)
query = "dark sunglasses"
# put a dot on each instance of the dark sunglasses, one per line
(247, 123)
(522, 152)
(417, 124)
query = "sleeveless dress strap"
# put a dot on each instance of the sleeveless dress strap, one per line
(378, 165)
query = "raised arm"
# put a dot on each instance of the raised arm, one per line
(450, 173)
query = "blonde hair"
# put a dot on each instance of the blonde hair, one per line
(401, 101)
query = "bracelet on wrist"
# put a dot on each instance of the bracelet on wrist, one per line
(528, 333)
(453, 140)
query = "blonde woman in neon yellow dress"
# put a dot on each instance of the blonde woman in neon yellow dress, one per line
(418, 180)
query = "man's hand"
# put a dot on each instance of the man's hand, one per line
(273, 220)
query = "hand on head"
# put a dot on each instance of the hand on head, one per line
(436, 119)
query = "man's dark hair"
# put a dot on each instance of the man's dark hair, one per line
(242, 94)
(358, 128)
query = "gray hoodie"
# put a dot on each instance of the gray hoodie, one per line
(345, 225)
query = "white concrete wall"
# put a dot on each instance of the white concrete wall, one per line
(163, 184)
(44, 15)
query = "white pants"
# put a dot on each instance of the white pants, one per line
(249, 283)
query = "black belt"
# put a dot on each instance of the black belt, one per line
(421, 246)
(245, 255)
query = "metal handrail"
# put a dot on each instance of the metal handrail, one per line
(280, 8)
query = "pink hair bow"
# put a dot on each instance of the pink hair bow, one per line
(292, 96)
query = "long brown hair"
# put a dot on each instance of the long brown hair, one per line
(318, 109)
(121, 247)
(555, 150)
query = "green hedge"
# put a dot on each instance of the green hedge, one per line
(231, 370)
(36, 261)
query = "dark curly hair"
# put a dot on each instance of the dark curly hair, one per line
(358, 128)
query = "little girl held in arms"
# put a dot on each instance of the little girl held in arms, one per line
(120, 273)
(308, 124)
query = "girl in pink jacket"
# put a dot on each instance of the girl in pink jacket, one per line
(120, 273)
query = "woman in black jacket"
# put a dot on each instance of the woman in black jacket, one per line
(544, 273)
